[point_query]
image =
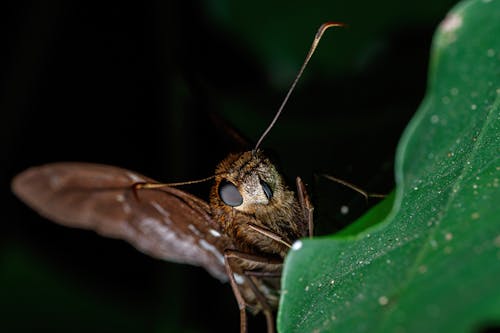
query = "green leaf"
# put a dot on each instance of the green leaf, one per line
(433, 265)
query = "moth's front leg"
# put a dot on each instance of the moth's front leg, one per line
(234, 261)
(306, 206)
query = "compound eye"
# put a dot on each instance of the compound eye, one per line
(267, 190)
(229, 194)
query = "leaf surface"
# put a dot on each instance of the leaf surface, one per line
(433, 264)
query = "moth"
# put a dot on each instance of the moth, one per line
(241, 235)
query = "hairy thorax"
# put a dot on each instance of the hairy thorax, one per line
(249, 191)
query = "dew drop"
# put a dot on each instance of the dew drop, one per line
(297, 245)
(383, 300)
(451, 23)
(433, 243)
(434, 119)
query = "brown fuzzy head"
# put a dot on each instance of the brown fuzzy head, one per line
(249, 189)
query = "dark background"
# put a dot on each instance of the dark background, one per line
(148, 86)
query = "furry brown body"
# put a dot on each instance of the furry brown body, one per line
(281, 214)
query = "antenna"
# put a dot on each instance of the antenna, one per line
(144, 185)
(314, 45)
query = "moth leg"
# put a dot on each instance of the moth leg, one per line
(353, 187)
(266, 308)
(253, 258)
(269, 234)
(239, 297)
(263, 274)
(305, 204)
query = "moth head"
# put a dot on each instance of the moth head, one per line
(247, 182)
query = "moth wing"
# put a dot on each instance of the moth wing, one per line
(165, 223)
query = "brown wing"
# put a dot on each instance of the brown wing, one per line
(165, 223)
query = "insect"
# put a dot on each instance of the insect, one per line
(241, 235)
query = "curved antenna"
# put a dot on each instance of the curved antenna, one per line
(314, 45)
(140, 186)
